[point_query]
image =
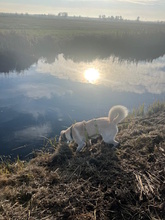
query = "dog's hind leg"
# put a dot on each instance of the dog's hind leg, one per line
(115, 143)
(109, 139)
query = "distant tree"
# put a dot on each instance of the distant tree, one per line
(63, 14)
(102, 16)
(120, 18)
(138, 18)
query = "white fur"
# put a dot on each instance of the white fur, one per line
(81, 132)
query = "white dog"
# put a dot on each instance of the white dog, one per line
(81, 132)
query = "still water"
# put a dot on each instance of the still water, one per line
(37, 103)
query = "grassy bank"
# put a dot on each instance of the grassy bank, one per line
(98, 183)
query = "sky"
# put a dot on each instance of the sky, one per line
(149, 10)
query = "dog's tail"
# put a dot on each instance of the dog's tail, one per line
(117, 114)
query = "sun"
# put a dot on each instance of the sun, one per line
(91, 75)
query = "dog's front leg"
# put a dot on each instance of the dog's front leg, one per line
(81, 146)
(115, 144)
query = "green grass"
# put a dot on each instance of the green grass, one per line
(157, 106)
(142, 111)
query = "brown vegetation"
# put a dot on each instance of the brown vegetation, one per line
(98, 183)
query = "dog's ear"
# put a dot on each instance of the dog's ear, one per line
(62, 132)
(62, 137)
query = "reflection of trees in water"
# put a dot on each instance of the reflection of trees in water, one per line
(14, 60)
(18, 51)
(125, 46)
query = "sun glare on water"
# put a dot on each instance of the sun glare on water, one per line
(91, 75)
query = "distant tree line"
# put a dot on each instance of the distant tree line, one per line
(66, 15)
(115, 18)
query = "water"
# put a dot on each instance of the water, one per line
(37, 103)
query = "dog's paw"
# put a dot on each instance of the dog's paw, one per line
(116, 145)
(80, 147)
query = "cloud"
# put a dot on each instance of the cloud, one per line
(114, 73)
(34, 132)
(141, 2)
(42, 90)
(63, 68)
(138, 78)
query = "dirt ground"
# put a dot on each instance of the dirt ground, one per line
(98, 183)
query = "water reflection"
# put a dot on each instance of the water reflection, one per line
(34, 132)
(118, 75)
(48, 97)
(92, 75)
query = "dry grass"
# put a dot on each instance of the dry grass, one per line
(98, 183)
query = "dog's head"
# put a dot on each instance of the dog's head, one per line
(62, 137)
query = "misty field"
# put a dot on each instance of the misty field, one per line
(63, 27)
(29, 38)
